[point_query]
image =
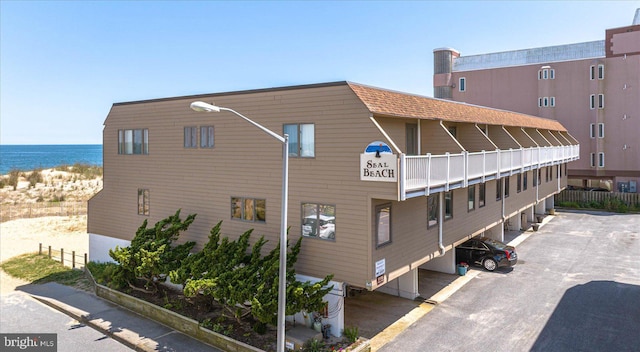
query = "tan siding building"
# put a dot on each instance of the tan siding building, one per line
(370, 219)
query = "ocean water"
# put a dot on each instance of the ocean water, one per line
(30, 157)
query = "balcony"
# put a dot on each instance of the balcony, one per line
(425, 174)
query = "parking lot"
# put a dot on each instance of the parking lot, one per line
(576, 287)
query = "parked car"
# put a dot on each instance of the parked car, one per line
(326, 230)
(487, 252)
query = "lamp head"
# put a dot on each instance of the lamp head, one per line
(201, 106)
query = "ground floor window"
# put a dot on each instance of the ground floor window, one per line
(248, 209)
(448, 205)
(383, 224)
(432, 210)
(143, 202)
(319, 221)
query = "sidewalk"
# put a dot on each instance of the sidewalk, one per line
(133, 330)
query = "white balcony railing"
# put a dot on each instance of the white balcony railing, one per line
(425, 172)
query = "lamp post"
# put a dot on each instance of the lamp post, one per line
(282, 280)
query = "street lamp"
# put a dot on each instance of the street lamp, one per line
(282, 280)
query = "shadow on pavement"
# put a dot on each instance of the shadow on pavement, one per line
(596, 316)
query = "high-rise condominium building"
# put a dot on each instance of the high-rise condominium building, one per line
(592, 88)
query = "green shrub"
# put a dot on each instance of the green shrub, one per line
(351, 333)
(35, 177)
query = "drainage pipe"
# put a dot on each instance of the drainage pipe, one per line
(440, 222)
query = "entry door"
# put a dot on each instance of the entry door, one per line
(412, 139)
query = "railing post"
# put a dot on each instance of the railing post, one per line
(62, 256)
(466, 168)
(428, 188)
(49, 252)
(403, 178)
(446, 185)
(40, 249)
(85, 261)
(498, 157)
(73, 259)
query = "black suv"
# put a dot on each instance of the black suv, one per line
(487, 252)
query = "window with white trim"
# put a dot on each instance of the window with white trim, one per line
(462, 84)
(592, 158)
(448, 205)
(552, 74)
(600, 101)
(471, 198)
(600, 159)
(592, 101)
(592, 130)
(540, 102)
(545, 101)
(482, 194)
(552, 101)
(601, 71)
(592, 72)
(601, 130)
(432, 210)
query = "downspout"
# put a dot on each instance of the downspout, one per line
(440, 222)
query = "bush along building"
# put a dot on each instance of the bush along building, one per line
(592, 88)
(381, 183)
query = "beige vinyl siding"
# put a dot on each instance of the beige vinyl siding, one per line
(436, 140)
(247, 163)
(537, 137)
(472, 139)
(503, 139)
(523, 139)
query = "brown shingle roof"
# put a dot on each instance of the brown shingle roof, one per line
(396, 104)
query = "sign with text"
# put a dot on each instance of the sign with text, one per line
(380, 267)
(382, 167)
(29, 342)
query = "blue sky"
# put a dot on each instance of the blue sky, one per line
(64, 63)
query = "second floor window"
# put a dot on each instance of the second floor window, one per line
(462, 84)
(601, 130)
(301, 140)
(206, 136)
(506, 187)
(600, 101)
(383, 224)
(448, 205)
(481, 194)
(432, 210)
(190, 137)
(133, 141)
(519, 183)
(471, 198)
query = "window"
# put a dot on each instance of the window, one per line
(601, 71)
(545, 73)
(592, 72)
(524, 181)
(206, 136)
(301, 140)
(499, 189)
(143, 201)
(133, 141)
(432, 210)
(518, 183)
(592, 101)
(600, 159)
(592, 130)
(190, 137)
(481, 195)
(448, 205)
(453, 130)
(552, 74)
(539, 177)
(539, 74)
(506, 187)
(248, 209)
(552, 101)
(535, 177)
(319, 221)
(545, 101)
(471, 198)
(383, 224)
(592, 158)
(462, 84)
(600, 101)
(601, 130)
(546, 174)
(539, 102)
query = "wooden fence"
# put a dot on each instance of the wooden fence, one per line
(630, 199)
(69, 258)
(36, 210)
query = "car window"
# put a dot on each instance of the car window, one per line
(494, 243)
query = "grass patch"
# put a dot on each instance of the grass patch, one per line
(39, 269)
